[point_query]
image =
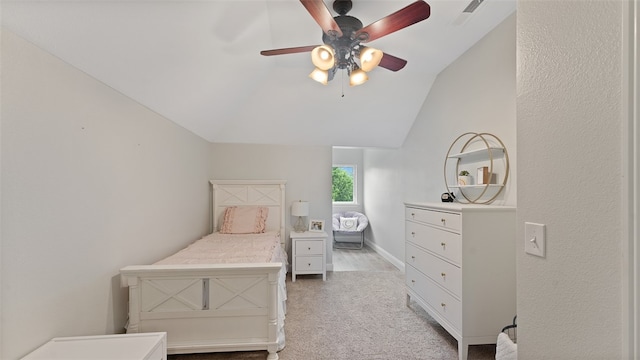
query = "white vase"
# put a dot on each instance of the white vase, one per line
(464, 180)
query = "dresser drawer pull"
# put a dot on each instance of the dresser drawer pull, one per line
(444, 276)
(443, 221)
(413, 215)
(413, 233)
(413, 257)
(444, 245)
(444, 306)
(309, 248)
(413, 281)
(309, 264)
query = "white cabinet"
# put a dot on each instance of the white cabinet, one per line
(309, 253)
(461, 267)
(142, 346)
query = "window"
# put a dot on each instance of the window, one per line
(344, 184)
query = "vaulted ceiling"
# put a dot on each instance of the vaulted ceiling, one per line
(197, 63)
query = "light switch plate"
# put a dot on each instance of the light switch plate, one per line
(534, 239)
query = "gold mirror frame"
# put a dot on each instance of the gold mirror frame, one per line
(490, 152)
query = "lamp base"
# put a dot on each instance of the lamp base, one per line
(300, 226)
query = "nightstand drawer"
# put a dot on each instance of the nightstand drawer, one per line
(309, 247)
(308, 263)
(436, 218)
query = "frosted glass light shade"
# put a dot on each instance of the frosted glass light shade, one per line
(370, 58)
(300, 208)
(321, 76)
(322, 57)
(358, 77)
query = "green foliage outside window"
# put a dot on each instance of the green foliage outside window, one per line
(342, 185)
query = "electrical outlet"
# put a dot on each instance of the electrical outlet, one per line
(534, 239)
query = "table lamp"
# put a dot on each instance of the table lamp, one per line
(300, 209)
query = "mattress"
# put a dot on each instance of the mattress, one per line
(219, 248)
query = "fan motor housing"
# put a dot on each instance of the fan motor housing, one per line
(344, 45)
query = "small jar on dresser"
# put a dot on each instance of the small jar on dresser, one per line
(461, 267)
(309, 254)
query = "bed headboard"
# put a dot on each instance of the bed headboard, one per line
(268, 193)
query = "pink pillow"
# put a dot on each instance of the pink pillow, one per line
(244, 220)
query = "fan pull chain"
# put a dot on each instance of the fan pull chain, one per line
(342, 82)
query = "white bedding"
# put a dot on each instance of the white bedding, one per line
(219, 248)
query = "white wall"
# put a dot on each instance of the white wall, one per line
(569, 139)
(476, 93)
(307, 170)
(91, 181)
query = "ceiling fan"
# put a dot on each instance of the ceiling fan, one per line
(343, 36)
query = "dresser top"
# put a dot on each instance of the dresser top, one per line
(454, 206)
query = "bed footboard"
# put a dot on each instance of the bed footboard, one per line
(206, 308)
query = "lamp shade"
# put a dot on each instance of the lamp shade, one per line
(321, 76)
(370, 58)
(358, 77)
(322, 57)
(300, 208)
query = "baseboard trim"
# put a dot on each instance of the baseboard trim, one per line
(385, 254)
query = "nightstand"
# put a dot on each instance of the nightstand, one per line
(309, 253)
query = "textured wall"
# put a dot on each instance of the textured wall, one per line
(569, 136)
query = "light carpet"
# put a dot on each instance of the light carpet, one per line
(356, 316)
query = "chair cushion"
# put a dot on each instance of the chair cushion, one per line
(361, 220)
(348, 223)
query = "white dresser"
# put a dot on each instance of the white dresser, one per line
(141, 346)
(461, 267)
(309, 252)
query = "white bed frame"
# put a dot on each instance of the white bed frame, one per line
(213, 308)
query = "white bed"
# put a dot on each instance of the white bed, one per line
(226, 304)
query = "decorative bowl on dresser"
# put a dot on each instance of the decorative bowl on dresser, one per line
(460, 267)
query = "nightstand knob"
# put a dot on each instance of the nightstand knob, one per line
(309, 248)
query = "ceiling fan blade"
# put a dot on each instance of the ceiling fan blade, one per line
(291, 50)
(400, 19)
(392, 63)
(322, 16)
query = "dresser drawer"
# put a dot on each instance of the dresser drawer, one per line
(309, 247)
(442, 272)
(308, 263)
(437, 218)
(442, 302)
(440, 242)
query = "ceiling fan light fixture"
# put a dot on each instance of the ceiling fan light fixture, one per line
(358, 77)
(370, 58)
(321, 76)
(323, 57)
